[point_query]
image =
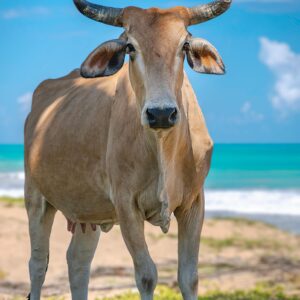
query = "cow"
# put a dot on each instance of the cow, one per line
(118, 142)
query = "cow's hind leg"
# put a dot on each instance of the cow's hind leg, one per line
(189, 230)
(79, 256)
(41, 215)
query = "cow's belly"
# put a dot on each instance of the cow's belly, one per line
(83, 204)
(77, 187)
(84, 196)
(77, 184)
(93, 208)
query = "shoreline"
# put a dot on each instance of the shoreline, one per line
(286, 222)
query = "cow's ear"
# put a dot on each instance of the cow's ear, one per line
(105, 60)
(203, 57)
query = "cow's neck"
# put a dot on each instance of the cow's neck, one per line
(173, 155)
(175, 161)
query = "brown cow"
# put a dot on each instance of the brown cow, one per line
(128, 146)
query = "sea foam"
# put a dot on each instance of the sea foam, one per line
(12, 184)
(283, 202)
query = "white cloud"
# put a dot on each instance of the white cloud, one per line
(249, 114)
(246, 107)
(285, 65)
(25, 101)
(16, 13)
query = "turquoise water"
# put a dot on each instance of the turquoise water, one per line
(11, 158)
(234, 166)
(244, 166)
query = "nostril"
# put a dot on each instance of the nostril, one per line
(150, 116)
(173, 116)
(161, 117)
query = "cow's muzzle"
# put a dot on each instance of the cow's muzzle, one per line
(159, 118)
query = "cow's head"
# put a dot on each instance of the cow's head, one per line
(157, 42)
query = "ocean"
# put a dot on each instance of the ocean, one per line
(244, 178)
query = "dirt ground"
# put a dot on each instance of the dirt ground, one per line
(235, 254)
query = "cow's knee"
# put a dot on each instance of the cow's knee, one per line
(37, 270)
(39, 260)
(146, 278)
(148, 283)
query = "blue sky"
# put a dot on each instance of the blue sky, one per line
(258, 100)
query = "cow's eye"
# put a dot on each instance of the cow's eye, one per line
(130, 48)
(186, 46)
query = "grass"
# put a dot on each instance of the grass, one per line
(242, 221)
(47, 298)
(10, 201)
(240, 242)
(236, 241)
(259, 293)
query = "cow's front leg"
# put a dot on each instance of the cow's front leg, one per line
(189, 230)
(79, 256)
(132, 227)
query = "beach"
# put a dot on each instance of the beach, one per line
(236, 254)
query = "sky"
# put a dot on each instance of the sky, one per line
(257, 101)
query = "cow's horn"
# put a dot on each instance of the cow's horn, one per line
(205, 12)
(104, 14)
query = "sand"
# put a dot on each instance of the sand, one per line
(235, 254)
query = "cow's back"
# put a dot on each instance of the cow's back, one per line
(65, 142)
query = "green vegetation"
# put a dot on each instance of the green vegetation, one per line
(47, 298)
(236, 220)
(9, 201)
(260, 293)
(242, 221)
(2, 275)
(240, 242)
(235, 241)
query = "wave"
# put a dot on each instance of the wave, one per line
(278, 202)
(281, 202)
(12, 175)
(12, 184)
(12, 193)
